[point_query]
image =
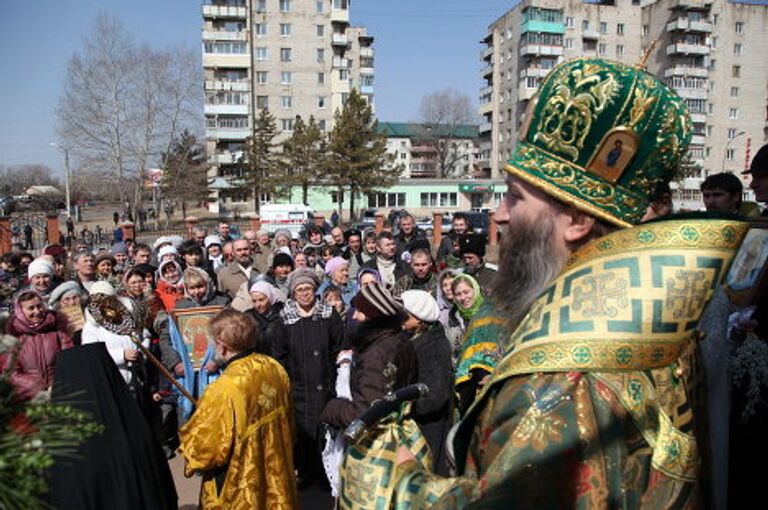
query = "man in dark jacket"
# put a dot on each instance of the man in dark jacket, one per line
(390, 267)
(408, 232)
(459, 225)
(421, 274)
(315, 335)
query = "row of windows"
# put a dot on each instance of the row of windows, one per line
(286, 54)
(542, 38)
(260, 29)
(227, 122)
(570, 23)
(286, 77)
(287, 102)
(540, 14)
(287, 5)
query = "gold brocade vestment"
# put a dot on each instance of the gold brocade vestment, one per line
(241, 438)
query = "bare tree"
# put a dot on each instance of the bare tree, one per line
(123, 106)
(443, 114)
(16, 179)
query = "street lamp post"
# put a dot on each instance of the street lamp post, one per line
(66, 176)
(727, 146)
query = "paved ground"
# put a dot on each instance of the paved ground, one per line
(188, 489)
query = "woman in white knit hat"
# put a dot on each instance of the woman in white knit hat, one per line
(40, 274)
(433, 352)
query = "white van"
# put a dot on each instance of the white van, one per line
(291, 217)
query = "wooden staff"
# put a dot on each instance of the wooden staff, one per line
(162, 369)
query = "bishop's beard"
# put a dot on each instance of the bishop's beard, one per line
(528, 263)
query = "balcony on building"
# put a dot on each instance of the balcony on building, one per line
(537, 72)
(226, 109)
(341, 63)
(485, 127)
(685, 25)
(697, 140)
(541, 49)
(340, 40)
(339, 11)
(590, 34)
(366, 52)
(487, 71)
(699, 118)
(227, 133)
(233, 10)
(682, 48)
(690, 4)
(691, 93)
(524, 92)
(226, 157)
(548, 27)
(366, 89)
(485, 107)
(700, 72)
(235, 86)
(224, 35)
(487, 54)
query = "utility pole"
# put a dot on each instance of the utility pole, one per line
(66, 176)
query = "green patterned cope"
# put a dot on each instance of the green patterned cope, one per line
(629, 301)
(600, 136)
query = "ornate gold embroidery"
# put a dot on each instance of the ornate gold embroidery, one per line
(567, 117)
(538, 430)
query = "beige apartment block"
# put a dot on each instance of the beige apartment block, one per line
(713, 53)
(293, 57)
(523, 45)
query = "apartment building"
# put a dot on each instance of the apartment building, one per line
(712, 52)
(524, 44)
(432, 152)
(295, 58)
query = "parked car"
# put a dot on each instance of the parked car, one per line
(369, 216)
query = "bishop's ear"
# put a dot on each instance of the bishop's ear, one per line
(579, 228)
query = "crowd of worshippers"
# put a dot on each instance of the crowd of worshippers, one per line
(320, 300)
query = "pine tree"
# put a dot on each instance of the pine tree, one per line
(357, 152)
(185, 176)
(304, 153)
(263, 167)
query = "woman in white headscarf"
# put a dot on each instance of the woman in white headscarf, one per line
(266, 312)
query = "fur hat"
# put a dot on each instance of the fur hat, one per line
(472, 243)
(102, 287)
(421, 305)
(211, 240)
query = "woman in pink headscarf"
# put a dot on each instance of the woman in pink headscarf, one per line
(41, 334)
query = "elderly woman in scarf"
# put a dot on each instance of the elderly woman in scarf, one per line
(480, 350)
(266, 312)
(41, 334)
(337, 274)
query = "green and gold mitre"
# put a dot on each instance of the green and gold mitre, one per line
(600, 136)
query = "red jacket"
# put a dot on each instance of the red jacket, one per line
(32, 362)
(169, 294)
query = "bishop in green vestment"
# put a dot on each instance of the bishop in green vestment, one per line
(594, 402)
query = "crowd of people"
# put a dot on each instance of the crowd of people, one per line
(326, 299)
(605, 365)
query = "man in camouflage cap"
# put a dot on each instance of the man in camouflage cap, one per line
(590, 404)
